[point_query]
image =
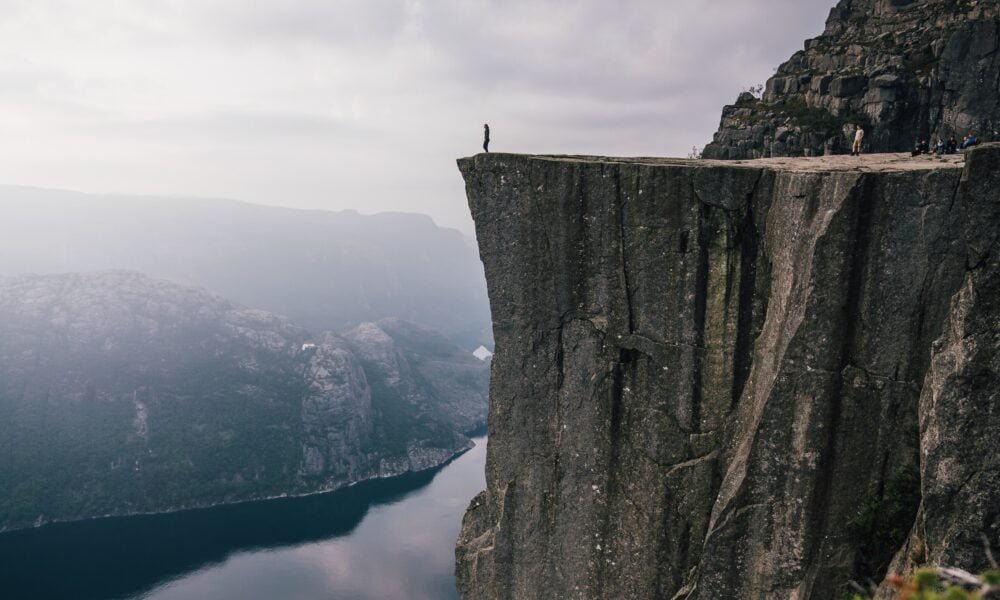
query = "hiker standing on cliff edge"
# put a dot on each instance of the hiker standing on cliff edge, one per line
(859, 136)
(486, 137)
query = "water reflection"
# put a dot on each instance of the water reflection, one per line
(384, 539)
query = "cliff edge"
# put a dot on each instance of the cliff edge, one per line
(754, 379)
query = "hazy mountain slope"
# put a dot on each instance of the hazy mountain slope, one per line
(325, 270)
(120, 393)
(415, 372)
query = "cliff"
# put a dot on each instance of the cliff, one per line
(903, 69)
(745, 379)
(124, 394)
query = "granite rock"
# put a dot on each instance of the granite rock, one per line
(904, 70)
(733, 379)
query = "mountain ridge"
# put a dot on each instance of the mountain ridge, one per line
(326, 270)
(124, 394)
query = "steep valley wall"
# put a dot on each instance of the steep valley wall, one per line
(746, 379)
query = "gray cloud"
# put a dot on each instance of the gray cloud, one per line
(353, 24)
(238, 127)
(364, 103)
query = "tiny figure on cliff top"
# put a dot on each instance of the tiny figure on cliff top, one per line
(939, 149)
(859, 136)
(969, 141)
(486, 137)
(952, 145)
(921, 147)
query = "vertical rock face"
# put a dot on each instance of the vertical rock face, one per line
(337, 418)
(960, 400)
(904, 69)
(725, 380)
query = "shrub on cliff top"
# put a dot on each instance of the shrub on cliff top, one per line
(945, 584)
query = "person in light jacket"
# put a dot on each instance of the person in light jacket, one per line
(859, 137)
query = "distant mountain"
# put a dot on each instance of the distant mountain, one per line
(325, 270)
(120, 394)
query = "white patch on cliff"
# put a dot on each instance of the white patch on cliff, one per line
(141, 414)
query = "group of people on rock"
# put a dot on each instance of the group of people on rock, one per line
(969, 141)
(950, 147)
(922, 146)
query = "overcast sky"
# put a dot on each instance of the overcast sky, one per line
(364, 104)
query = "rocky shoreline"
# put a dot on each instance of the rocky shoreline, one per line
(431, 461)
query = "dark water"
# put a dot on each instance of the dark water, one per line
(381, 540)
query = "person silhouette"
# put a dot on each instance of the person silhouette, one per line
(486, 137)
(859, 136)
(952, 145)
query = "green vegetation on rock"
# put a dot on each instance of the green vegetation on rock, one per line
(943, 584)
(883, 522)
